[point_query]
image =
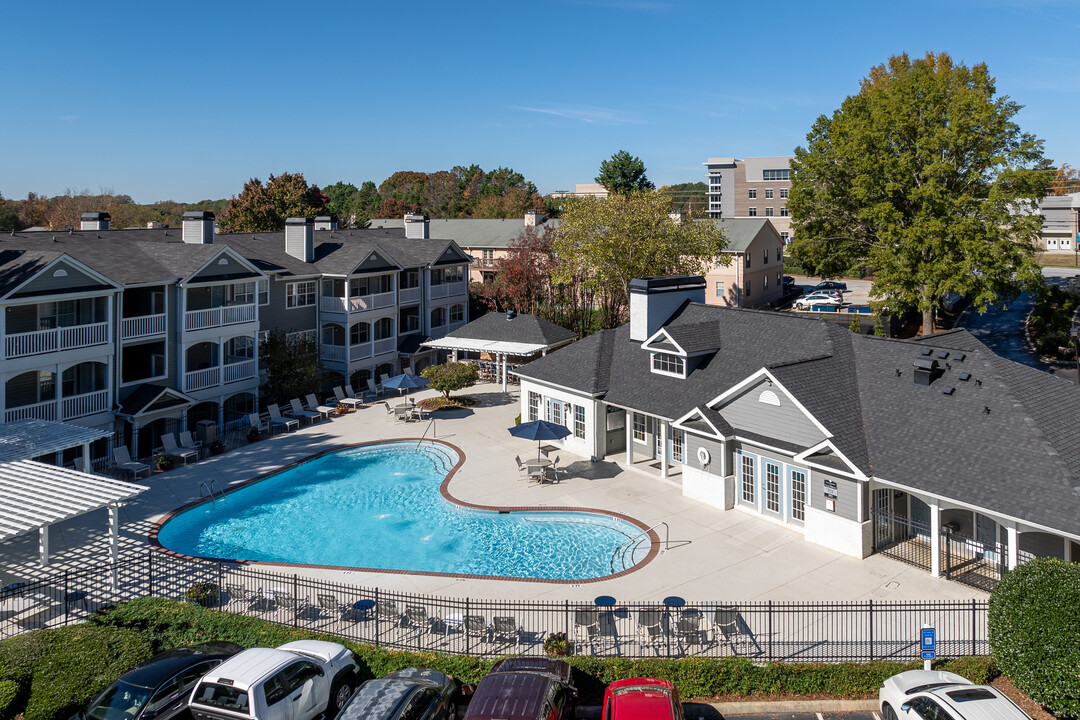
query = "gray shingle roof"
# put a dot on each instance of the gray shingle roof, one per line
(741, 232)
(521, 329)
(470, 232)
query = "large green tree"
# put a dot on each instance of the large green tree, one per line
(292, 367)
(265, 208)
(623, 173)
(924, 175)
(344, 203)
(9, 216)
(608, 242)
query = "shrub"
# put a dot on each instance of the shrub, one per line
(205, 593)
(451, 376)
(9, 692)
(1035, 632)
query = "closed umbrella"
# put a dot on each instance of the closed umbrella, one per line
(406, 382)
(539, 430)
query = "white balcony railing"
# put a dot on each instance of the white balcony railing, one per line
(386, 345)
(360, 351)
(457, 288)
(144, 326)
(38, 411)
(382, 300)
(332, 304)
(333, 353)
(358, 303)
(78, 406)
(219, 316)
(236, 372)
(439, 291)
(56, 339)
(202, 379)
(409, 295)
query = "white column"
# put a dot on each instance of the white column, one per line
(114, 539)
(1068, 550)
(1014, 545)
(453, 355)
(43, 545)
(629, 438)
(86, 457)
(935, 538)
(502, 359)
(663, 447)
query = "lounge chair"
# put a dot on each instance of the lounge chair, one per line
(352, 393)
(373, 390)
(418, 620)
(297, 411)
(506, 629)
(344, 399)
(314, 406)
(650, 629)
(475, 626)
(189, 443)
(728, 625)
(123, 461)
(258, 423)
(277, 420)
(587, 628)
(242, 596)
(168, 441)
(329, 603)
(291, 604)
(387, 615)
(691, 628)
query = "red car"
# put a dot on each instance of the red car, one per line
(642, 699)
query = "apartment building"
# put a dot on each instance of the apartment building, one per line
(754, 277)
(138, 330)
(1061, 223)
(754, 187)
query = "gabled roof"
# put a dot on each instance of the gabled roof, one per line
(469, 232)
(741, 232)
(528, 329)
(151, 398)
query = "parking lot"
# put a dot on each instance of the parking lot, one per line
(858, 292)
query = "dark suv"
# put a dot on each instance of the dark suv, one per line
(525, 687)
(410, 694)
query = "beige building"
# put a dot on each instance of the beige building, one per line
(583, 190)
(1061, 223)
(754, 187)
(755, 276)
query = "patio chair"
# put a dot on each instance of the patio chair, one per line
(650, 629)
(520, 465)
(389, 410)
(290, 604)
(297, 411)
(189, 443)
(168, 441)
(475, 627)
(388, 615)
(587, 628)
(690, 628)
(122, 461)
(554, 468)
(344, 398)
(258, 423)
(418, 621)
(277, 420)
(506, 629)
(242, 596)
(329, 603)
(729, 625)
(373, 390)
(314, 406)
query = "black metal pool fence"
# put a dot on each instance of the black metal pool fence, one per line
(853, 630)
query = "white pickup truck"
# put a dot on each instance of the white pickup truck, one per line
(298, 681)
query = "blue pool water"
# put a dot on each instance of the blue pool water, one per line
(378, 506)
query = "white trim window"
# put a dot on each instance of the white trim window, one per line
(798, 494)
(765, 255)
(579, 422)
(668, 364)
(678, 445)
(783, 193)
(768, 193)
(241, 293)
(768, 212)
(772, 486)
(746, 472)
(457, 313)
(639, 427)
(534, 406)
(752, 194)
(555, 411)
(779, 252)
(783, 211)
(719, 289)
(300, 294)
(751, 212)
(264, 292)
(775, 175)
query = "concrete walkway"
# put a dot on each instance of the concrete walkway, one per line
(734, 556)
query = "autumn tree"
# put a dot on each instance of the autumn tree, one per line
(265, 208)
(34, 211)
(690, 198)
(925, 175)
(9, 217)
(623, 173)
(1066, 180)
(608, 242)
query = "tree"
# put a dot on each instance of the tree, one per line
(292, 367)
(265, 208)
(343, 202)
(924, 175)
(1066, 180)
(368, 199)
(451, 376)
(691, 198)
(9, 218)
(623, 173)
(609, 242)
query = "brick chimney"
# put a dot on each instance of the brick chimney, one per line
(300, 239)
(198, 227)
(416, 226)
(94, 221)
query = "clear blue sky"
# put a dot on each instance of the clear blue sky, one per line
(187, 101)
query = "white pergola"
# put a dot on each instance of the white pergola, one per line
(31, 438)
(499, 349)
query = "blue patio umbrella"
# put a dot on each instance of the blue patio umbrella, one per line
(406, 382)
(539, 430)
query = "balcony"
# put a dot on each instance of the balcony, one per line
(78, 406)
(385, 346)
(38, 411)
(333, 353)
(140, 327)
(359, 303)
(408, 295)
(56, 340)
(202, 379)
(449, 289)
(360, 351)
(244, 370)
(219, 316)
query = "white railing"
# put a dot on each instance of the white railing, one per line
(385, 346)
(240, 371)
(333, 353)
(38, 411)
(216, 317)
(78, 406)
(382, 300)
(457, 288)
(137, 327)
(360, 351)
(332, 304)
(439, 291)
(409, 295)
(202, 379)
(56, 339)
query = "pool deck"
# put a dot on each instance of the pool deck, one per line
(733, 556)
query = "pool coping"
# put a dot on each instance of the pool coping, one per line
(444, 491)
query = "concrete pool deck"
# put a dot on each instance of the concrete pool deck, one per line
(732, 556)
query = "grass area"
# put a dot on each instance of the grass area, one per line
(1056, 259)
(48, 674)
(454, 402)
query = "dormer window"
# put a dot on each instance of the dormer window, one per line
(668, 364)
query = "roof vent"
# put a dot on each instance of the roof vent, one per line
(510, 314)
(942, 354)
(948, 390)
(197, 227)
(927, 351)
(965, 376)
(959, 356)
(926, 370)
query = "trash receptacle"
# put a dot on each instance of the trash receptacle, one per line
(206, 431)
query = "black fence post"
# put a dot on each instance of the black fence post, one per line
(465, 627)
(221, 585)
(566, 620)
(295, 595)
(973, 623)
(770, 631)
(871, 613)
(150, 573)
(377, 616)
(66, 603)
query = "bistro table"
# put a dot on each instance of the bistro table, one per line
(363, 608)
(605, 601)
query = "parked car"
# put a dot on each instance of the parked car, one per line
(830, 285)
(821, 297)
(159, 687)
(411, 694)
(297, 681)
(525, 688)
(937, 695)
(789, 282)
(642, 699)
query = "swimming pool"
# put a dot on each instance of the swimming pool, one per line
(378, 506)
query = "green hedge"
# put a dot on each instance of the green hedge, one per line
(1034, 630)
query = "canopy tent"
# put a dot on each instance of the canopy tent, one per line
(37, 495)
(31, 438)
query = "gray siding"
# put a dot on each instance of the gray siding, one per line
(715, 448)
(275, 316)
(75, 281)
(847, 494)
(746, 412)
(214, 270)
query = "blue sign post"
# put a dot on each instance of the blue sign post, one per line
(928, 645)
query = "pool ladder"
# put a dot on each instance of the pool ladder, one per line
(430, 426)
(631, 545)
(208, 491)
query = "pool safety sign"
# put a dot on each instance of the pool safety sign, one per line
(928, 643)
